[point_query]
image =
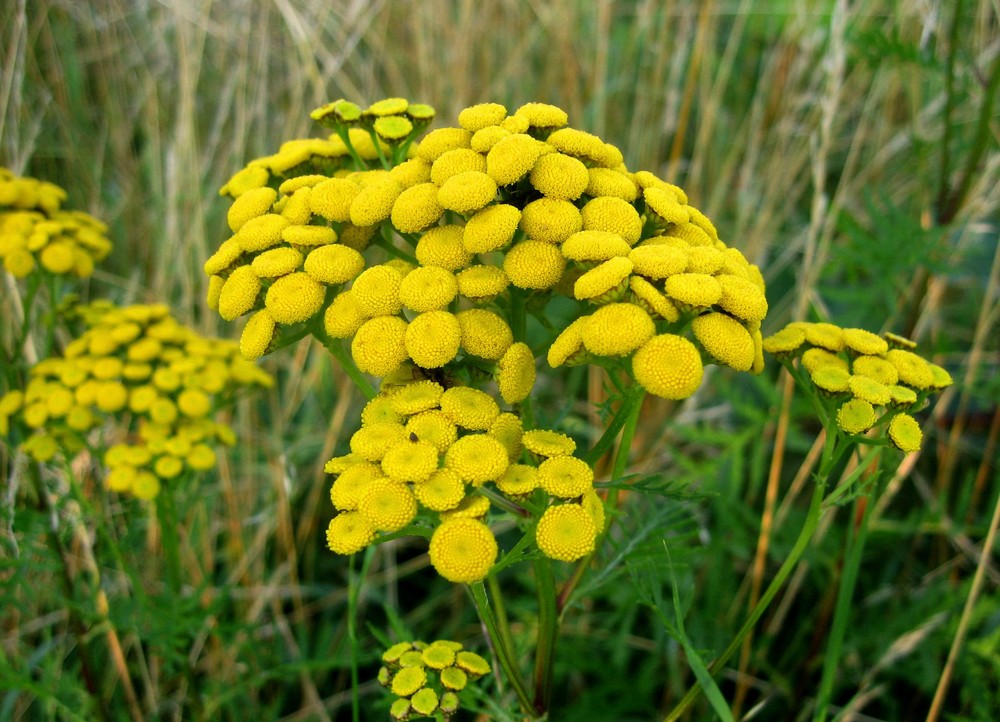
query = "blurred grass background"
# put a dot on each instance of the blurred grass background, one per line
(848, 148)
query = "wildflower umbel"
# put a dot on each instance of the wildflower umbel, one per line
(427, 679)
(873, 384)
(133, 363)
(391, 241)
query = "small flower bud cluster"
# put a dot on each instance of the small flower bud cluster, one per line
(426, 678)
(35, 231)
(135, 363)
(421, 446)
(876, 381)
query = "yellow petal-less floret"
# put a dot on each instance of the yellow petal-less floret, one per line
(467, 191)
(343, 316)
(697, 290)
(545, 442)
(351, 483)
(533, 264)
(225, 256)
(477, 458)
(658, 261)
(875, 368)
(416, 397)
(542, 115)
(463, 550)
(253, 203)
(704, 259)
(612, 215)
(566, 532)
(262, 232)
(816, 358)
(603, 282)
(668, 366)
(516, 373)
(454, 162)
(410, 461)
(376, 291)
(469, 408)
(332, 199)
(239, 293)
(823, 335)
(742, 298)
(303, 235)
(560, 176)
(617, 329)
(511, 158)
(485, 138)
(440, 141)
(373, 204)
(913, 370)
(593, 245)
(294, 298)
(371, 442)
(443, 246)
(443, 490)
(568, 345)
(725, 339)
(860, 341)
(519, 479)
(257, 335)
(664, 204)
(491, 228)
(416, 208)
(433, 427)
(905, 433)
(379, 346)
(411, 172)
(508, 430)
(565, 477)
(482, 283)
(856, 416)
(433, 339)
(334, 264)
(277, 262)
(645, 294)
(484, 333)
(481, 116)
(348, 533)
(550, 220)
(869, 390)
(428, 288)
(387, 505)
(473, 506)
(579, 143)
(609, 183)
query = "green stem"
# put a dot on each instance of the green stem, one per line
(548, 631)
(354, 584)
(337, 350)
(805, 536)
(842, 614)
(378, 149)
(345, 136)
(505, 654)
(500, 611)
(166, 512)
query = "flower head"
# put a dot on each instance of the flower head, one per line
(566, 532)
(463, 550)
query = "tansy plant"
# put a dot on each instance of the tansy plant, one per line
(425, 264)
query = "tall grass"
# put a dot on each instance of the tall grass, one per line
(818, 136)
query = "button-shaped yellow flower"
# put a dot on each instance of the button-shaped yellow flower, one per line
(511, 158)
(742, 298)
(262, 232)
(454, 162)
(483, 282)
(565, 477)
(516, 373)
(617, 329)
(440, 141)
(905, 433)
(434, 427)
(856, 416)
(491, 228)
(612, 215)
(410, 461)
(379, 346)
(428, 288)
(442, 491)
(277, 262)
(913, 370)
(294, 298)
(611, 183)
(443, 246)
(469, 408)
(725, 339)
(348, 533)
(307, 235)
(387, 505)
(334, 264)
(593, 245)
(433, 339)
(875, 368)
(644, 294)
(605, 282)
(566, 532)
(533, 264)
(477, 458)
(343, 316)
(668, 366)
(550, 220)
(579, 143)
(257, 335)
(518, 480)
(463, 550)
(481, 116)
(376, 291)
(556, 175)
(352, 483)
(695, 290)
(373, 204)
(332, 199)
(484, 333)
(416, 208)
(467, 191)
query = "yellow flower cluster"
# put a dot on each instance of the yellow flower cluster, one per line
(134, 363)
(448, 451)
(36, 232)
(501, 205)
(426, 678)
(877, 381)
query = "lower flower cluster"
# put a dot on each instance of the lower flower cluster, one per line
(876, 381)
(158, 382)
(427, 678)
(450, 455)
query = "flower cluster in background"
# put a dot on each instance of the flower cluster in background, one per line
(35, 231)
(451, 453)
(503, 209)
(874, 381)
(426, 679)
(159, 383)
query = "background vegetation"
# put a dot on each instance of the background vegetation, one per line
(848, 148)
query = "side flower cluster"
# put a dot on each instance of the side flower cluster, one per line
(502, 208)
(449, 454)
(35, 231)
(876, 381)
(158, 382)
(426, 678)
